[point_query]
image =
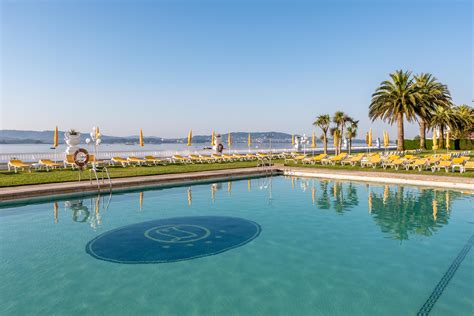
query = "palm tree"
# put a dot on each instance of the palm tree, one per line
(444, 117)
(433, 94)
(467, 125)
(340, 119)
(323, 121)
(394, 100)
(351, 132)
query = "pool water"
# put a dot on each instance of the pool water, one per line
(263, 246)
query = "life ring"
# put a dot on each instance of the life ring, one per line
(81, 157)
(220, 148)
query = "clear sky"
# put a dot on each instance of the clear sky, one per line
(167, 66)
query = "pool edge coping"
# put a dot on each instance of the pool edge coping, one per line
(11, 194)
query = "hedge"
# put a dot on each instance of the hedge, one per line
(458, 144)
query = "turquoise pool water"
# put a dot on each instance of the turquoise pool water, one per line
(280, 246)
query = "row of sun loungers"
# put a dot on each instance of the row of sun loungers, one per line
(47, 164)
(434, 163)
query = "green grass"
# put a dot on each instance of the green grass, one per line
(8, 179)
(468, 174)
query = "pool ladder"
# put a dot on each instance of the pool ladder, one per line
(102, 170)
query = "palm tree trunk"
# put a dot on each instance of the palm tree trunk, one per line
(350, 145)
(401, 132)
(340, 140)
(325, 144)
(441, 137)
(422, 134)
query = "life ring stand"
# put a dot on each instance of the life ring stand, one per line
(220, 148)
(81, 157)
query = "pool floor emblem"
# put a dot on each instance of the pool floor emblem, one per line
(173, 239)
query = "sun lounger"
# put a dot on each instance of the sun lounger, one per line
(373, 162)
(334, 159)
(153, 160)
(296, 159)
(469, 165)
(217, 157)
(353, 160)
(69, 162)
(396, 164)
(459, 163)
(313, 160)
(417, 164)
(136, 161)
(119, 160)
(17, 164)
(180, 159)
(446, 164)
(48, 164)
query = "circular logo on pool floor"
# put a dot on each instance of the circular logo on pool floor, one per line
(173, 239)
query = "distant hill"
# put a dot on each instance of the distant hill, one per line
(46, 137)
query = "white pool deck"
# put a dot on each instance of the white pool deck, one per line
(464, 184)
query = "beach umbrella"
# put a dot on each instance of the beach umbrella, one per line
(292, 140)
(435, 140)
(447, 140)
(190, 137)
(249, 141)
(229, 140)
(367, 138)
(336, 139)
(370, 138)
(213, 142)
(141, 142)
(97, 133)
(386, 139)
(313, 140)
(56, 138)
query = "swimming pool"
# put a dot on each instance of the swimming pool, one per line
(264, 246)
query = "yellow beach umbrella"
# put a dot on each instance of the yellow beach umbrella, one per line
(370, 138)
(249, 140)
(336, 139)
(435, 140)
(229, 140)
(142, 143)
(292, 140)
(56, 138)
(190, 137)
(447, 140)
(97, 133)
(386, 141)
(367, 138)
(213, 142)
(313, 140)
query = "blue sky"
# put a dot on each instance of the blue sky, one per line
(167, 66)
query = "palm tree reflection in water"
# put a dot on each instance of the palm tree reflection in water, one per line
(401, 214)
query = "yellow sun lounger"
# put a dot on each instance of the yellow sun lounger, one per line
(136, 161)
(334, 159)
(296, 159)
(400, 162)
(17, 164)
(228, 158)
(180, 159)
(153, 160)
(459, 163)
(469, 165)
(48, 164)
(69, 162)
(120, 160)
(446, 164)
(418, 163)
(373, 162)
(353, 160)
(313, 160)
(217, 157)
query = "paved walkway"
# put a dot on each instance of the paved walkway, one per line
(450, 182)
